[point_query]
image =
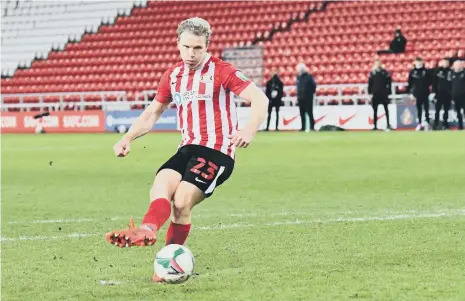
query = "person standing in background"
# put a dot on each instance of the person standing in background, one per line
(453, 56)
(397, 45)
(418, 87)
(442, 86)
(306, 88)
(379, 86)
(458, 90)
(274, 92)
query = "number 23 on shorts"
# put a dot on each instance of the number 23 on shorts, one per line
(211, 170)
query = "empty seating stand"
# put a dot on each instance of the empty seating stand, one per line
(340, 44)
(31, 29)
(131, 52)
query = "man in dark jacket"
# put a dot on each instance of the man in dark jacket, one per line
(442, 86)
(458, 90)
(397, 44)
(418, 87)
(379, 85)
(306, 87)
(274, 92)
(456, 56)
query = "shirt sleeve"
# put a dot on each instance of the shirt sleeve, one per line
(233, 80)
(164, 89)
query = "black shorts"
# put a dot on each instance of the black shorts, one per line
(201, 166)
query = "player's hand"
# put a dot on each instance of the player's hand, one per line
(242, 138)
(412, 98)
(122, 148)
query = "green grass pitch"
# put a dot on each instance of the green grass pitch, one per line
(318, 216)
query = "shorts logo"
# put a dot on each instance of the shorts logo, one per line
(177, 97)
(198, 180)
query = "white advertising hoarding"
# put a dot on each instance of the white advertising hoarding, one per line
(346, 117)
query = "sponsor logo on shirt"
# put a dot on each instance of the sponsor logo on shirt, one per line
(204, 97)
(189, 96)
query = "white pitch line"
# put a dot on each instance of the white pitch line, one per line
(116, 218)
(66, 220)
(344, 219)
(71, 235)
(202, 216)
(460, 212)
(54, 221)
(110, 282)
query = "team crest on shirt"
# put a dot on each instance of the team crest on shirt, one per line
(177, 97)
(241, 75)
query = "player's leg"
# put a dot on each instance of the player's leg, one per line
(438, 106)
(386, 110)
(447, 105)
(162, 192)
(302, 114)
(277, 116)
(459, 105)
(186, 197)
(270, 109)
(419, 112)
(426, 107)
(310, 116)
(206, 170)
(374, 103)
(163, 189)
(158, 213)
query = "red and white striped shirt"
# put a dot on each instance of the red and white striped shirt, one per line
(205, 101)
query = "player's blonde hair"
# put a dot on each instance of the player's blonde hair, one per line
(197, 26)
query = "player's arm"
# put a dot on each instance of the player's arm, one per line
(259, 106)
(410, 85)
(389, 82)
(370, 83)
(147, 119)
(140, 127)
(235, 81)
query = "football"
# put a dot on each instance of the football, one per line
(174, 264)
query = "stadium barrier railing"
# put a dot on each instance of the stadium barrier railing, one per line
(119, 100)
(65, 101)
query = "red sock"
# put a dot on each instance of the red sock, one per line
(177, 233)
(158, 213)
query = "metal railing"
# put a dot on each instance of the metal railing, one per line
(62, 103)
(144, 98)
(360, 98)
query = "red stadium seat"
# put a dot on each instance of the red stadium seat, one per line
(338, 44)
